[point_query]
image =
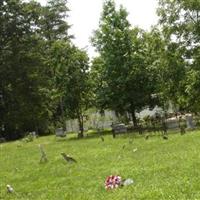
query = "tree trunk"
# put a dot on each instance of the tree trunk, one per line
(134, 118)
(80, 121)
(62, 114)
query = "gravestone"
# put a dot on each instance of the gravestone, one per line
(68, 158)
(33, 134)
(43, 157)
(172, 123)
(119, 128)
(189, 121)
(60, 132)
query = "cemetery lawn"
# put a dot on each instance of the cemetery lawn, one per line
(161, 169)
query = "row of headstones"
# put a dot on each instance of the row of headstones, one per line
(174, 122)
(171, 123)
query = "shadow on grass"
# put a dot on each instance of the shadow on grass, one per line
(91, 135)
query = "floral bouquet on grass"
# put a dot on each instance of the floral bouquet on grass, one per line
(112, 182)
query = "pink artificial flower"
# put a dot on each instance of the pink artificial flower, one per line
(113, 182)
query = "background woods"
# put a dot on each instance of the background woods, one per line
(45, 79)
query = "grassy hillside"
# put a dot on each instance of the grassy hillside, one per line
(161, 169)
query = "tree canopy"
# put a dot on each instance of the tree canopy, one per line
(125, 71)
(180, 24)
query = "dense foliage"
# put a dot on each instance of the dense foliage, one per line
(127, 70)
(180, 24)
(42, 73)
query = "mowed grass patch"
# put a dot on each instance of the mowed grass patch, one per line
(161, 169)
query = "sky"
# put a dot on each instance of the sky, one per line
(84, 17)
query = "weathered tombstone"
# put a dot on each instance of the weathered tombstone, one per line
(68, 158)
(43, 154)
(33, 133)
(119, 128)
(60, 132)
(172, 123)
(189, 121)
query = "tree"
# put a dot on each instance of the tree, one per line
(125, 73)
(72, 82)
(53, 24)
(181, 27)
(54, 30)
(78, 92)
(23, 102)
(44, 77)
(99, 85)
(58, 60)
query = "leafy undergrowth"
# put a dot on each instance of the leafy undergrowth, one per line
(161, 169)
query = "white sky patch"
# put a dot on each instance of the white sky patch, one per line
(84, 17)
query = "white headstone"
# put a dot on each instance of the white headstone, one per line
(60, 132)
(189, 121)
(172, 123)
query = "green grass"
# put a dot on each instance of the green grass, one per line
(161, 169)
